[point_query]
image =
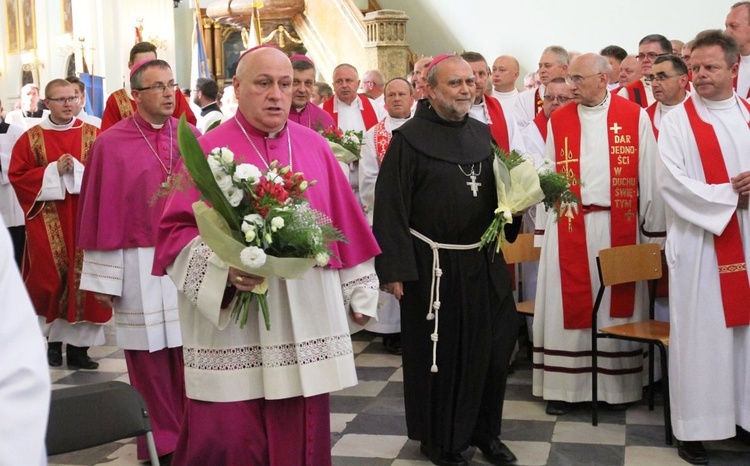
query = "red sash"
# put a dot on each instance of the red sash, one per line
(496, 121)
(637, 93)
(541, 124)
(538, 102)
(622, 124)
(382, 138)
(369, 117)
(735, 286)
(651, 112)
(737, 77)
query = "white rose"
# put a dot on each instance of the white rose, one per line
(214, 165)
(234, 196)
(227, 156)
(247, 226)
(508, 216)
(253, 257)
(250, 234)
(322, 259)
(274, 177)
(277, 223)
(254, 218)
(247, 171)
(223, 180)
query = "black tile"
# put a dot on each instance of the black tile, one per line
(527, 431)
(728, 457)
(375, 373)
(354, 461)
(411, 452)
(393, 390)
(519, 393)
(364, 335)
(348, 404)
(385, 406)
(645, 436)
(580, 454)
(376, 424)
(582, 413)
(81, 377)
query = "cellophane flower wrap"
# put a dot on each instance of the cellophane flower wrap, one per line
(521, 186)
(346, 145)
(256, 220)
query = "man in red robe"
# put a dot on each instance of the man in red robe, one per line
(650, 48)
(46, 170)
(121, 105)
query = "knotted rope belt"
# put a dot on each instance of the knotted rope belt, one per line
(437, 272)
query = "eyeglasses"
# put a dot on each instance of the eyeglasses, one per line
(65, 100)
(159, 87)
(651, 55)
(661, 77)
(578, 79)
(560, 98)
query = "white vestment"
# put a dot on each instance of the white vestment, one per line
(662, 110)
(205, 122)
(24, 377)
(90, 119)
(562, 364)
(507, 99)
(10, 209)
(16, 118)
(145, 311)
(743, 77)
(649, 93)
(479, 112)
(525, 107)
(306, 352)
(709, 364)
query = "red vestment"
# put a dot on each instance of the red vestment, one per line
(120, 106)
(52, 264)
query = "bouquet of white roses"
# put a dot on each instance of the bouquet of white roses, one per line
(346, 145)
(259, 220)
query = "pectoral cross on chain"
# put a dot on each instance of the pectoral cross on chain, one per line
(473, 185)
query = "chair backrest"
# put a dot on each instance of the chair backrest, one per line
(522, 250)
(627, 264)
(90, 415)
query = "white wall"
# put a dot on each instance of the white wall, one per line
(523, 28)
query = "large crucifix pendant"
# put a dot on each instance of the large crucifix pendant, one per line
(473, 185)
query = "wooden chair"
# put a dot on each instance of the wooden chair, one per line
(518, 252)
(628, 264)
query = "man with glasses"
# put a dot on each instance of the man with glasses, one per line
(46, 169)
(650, 48)
(120, 104)
(738, 26)
(131, 169)
(605, 144)
(669, 81)
(705, 181)
(556, 94)
(553, 64)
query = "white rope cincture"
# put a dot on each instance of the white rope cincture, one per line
(437, 272)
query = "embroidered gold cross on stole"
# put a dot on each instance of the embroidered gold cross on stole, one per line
(567, 155)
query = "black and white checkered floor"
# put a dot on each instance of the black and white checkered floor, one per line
(368, 427)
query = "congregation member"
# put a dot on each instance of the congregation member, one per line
(614, 55)
(669, 81)
(320, 93)
(738, 26)
(120, 104)
(687, 50)
(122, 197)
(420, 79)
(399, 97)
(650, 48)
(556, 94)
(29, 114)
(505, 72)
(373, 86)
(604, 143)
(552, 64)
(677, 46)
(303, 111)
(630, 72)
(705, 181)
(46, 169)
(205, 97)
(80, 111)
(253, 397)
(10, 209)
(434, 197)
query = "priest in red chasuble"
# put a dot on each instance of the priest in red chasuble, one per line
(120, 104)
(607, 144)
(47, 166)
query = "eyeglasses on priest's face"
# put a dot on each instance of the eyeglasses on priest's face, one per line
(65, 100)
(560, 98)
(160, 87)
(651, 55)
(660, 77)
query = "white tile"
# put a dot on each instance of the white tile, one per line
(112, 365)
(124, 378)
(584, 432)
(371, 388)
(525, 410)
(57, 374)
(97, 352)
(641, 415)
(397, 376)
(369, 446)
(652, 456)
(359, 346)
(339, 421)
(377, 360)
(124, 456)
(528, 453)
(411, 463)
(56, 386)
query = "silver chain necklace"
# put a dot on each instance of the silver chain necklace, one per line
(473, 185)
(156, 154)
(260, 156)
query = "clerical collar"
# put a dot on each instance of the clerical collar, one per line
(253, 131)
(668, 108)
(206, 106)
(721, 104)
(601, 104)
(356, 102)
(144, 123)
(299, 110)
(49, 124)
(503, 94)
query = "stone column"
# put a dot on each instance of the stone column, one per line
(386, 48)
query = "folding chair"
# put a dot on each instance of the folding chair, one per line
(628, 264)
(91, 415)
(518, 252)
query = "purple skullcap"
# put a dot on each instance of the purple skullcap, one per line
(139, 64)
(299, 57)
(435, 61)
(264, 46)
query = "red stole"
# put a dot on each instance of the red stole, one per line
(622, 124)
(496, 121)
(538, 102)
(382, 138)
(369, 116)
(737, 77)
(735, 287)
(637, 93)
(651, 112)
(541, 124)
